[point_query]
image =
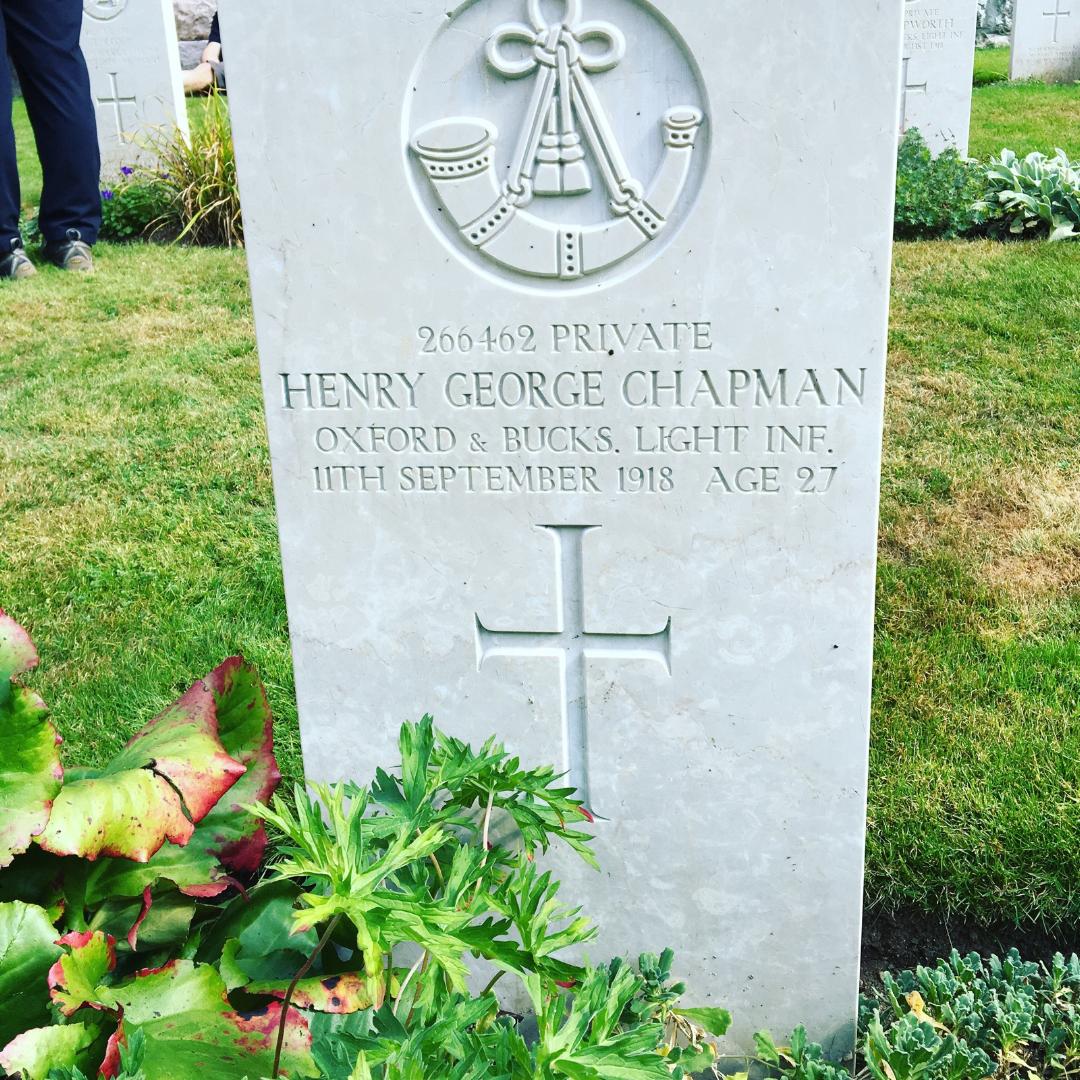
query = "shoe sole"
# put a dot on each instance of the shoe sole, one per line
(79, 266)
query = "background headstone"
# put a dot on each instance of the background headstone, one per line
(937, 67)
(596, 471)
(995, 17)
(1046, 40)
(130, 48)
(193, 19)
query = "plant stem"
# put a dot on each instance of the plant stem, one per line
(491, 985)
(487, 822)
(408, 979)
(287, 1001)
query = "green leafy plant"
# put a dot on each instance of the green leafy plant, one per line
(968, 1017)
(132, 208)
(1035, 195)
(800, 1059)
(934, 194)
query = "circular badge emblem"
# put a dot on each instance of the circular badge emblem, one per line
(104, 10)
(558, 143)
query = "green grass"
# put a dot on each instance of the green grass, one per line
(975, 775)
(139, 536)
(991, 65)
(139, 542)
(26, 152)
(1025, 116)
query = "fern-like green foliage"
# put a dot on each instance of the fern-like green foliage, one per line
(935, 195)
(426, 881)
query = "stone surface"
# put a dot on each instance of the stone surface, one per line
(131, 51)
(597, 472)
(193, 18)
(191, 54)
(995, 17)
(936, 71)
(1046, 41)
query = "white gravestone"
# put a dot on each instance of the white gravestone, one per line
(936, 71)
(572, 321)
(133, 58)
(1046, 40)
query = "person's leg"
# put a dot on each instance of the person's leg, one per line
(43, 38)
(9, 167)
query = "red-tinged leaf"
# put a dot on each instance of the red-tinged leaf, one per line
(147, 904)
(75, 979)
(229, 838)
(166, 780)
(246, 728)
(113, 1063)
(191, 1030)
(28, 950)
(30, 770)
(128, 814)
(163, 925)
(35, 1053)
(184, 745)
(337, 994)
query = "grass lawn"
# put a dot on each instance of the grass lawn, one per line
(991, 65)
(139, 544)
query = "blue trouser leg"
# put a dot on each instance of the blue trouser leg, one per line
(43, 39)
(9, 172)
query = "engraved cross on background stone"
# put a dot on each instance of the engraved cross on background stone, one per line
(117, 102)
(1057, 15)
(572, 645)
(907, 87)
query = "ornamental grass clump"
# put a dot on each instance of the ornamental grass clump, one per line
(197, 180)
(1035, 195)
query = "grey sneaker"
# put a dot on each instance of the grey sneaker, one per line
(71, 254)
(16, 264)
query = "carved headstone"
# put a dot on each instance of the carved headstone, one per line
(1046, 40)
(936, 71)
(131, 51)
(572, 322)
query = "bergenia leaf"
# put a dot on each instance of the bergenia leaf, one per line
(75, 979)
(27, 952)
(235, 837)
(35, 1053)
(164, 781)
(30, 771)
(191, 1030)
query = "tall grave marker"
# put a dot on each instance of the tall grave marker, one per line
(575, 425)
(132, 53)
(1046, 40)
(936, 71)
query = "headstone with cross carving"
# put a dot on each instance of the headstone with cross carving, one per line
(936, 75)
(1046, 41)
(572, 323)
(133, 58)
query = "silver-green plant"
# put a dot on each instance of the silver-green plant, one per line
(1033, 194)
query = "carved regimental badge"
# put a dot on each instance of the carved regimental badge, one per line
(566, 150)
(103, 10)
